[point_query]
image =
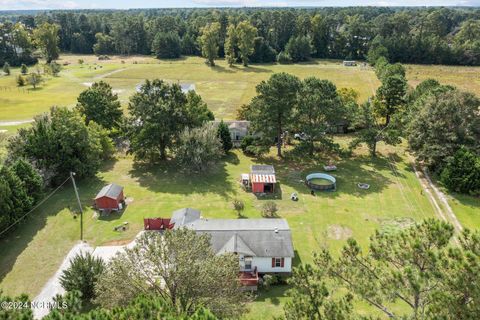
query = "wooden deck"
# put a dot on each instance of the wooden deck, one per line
(249, 279)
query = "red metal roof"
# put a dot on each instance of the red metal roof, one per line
(263, 178)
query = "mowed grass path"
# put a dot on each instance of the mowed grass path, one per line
(222, 87)
(32, 253)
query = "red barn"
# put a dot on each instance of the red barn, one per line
(110, 198)
(262, 178)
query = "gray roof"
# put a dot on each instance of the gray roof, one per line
(262, 169)
(187, 87)
(253, 237)
(184, 216)
(239, 125)
(110, 191)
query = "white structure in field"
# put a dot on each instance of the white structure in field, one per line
(262, 245)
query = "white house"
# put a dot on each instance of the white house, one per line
(262, 245)
(238, 130)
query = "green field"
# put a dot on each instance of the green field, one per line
(32, 253)
(222, 87)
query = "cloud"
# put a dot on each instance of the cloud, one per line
(227, 3)
(37, 4)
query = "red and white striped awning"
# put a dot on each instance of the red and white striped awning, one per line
(263, 178)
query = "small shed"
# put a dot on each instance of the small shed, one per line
(349, 63)
(110, 198)
(262, 178)
(157, 224)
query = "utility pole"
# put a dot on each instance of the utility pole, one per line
(72, 174)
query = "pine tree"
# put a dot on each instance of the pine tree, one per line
(224, 135)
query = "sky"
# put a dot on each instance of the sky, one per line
(126, 4)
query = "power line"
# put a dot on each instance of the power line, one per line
(35, 207)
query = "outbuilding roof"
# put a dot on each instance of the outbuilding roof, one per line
(111, 191)
(262, 169)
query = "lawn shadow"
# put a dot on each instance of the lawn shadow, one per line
(221, 69)
(167, 177)
(253, 69)
(15, 242)
(273, 294)
(296, 261)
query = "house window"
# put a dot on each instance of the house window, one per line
(278, 262)
(248, 263)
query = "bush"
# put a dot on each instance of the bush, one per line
(269, 280)
(24, 69)
(284, 58)
(199, 148)
(462, 173)
(251, 146)
(82, 275)
(269, 209)
(6, 68)
(238, 206)
(21, 81)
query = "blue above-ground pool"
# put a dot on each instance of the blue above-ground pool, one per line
(321, 181)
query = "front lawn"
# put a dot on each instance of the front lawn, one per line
(32, 253)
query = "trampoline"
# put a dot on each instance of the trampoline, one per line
(321, 182)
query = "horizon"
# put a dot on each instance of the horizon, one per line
(48, 5)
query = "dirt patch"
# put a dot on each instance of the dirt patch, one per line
(128, 200)
(338, 232)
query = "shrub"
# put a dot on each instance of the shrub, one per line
(284, 58)
(251, 146)
(238, 206)
(21, 81)
(269, 209)
(24, 69)
(269, 280)
(6, 68)
(82, 275)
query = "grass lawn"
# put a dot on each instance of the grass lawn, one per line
(222, 87)
(467, 210)
(32, 253)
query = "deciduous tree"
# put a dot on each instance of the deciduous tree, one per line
(46, 37)
(179, 267)
(209, 41)
(246, 34)
(99, 104)
(199, 148)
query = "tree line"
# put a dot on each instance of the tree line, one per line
(408, 35)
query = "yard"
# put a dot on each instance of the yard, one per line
(327, 219)
(31, 254)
